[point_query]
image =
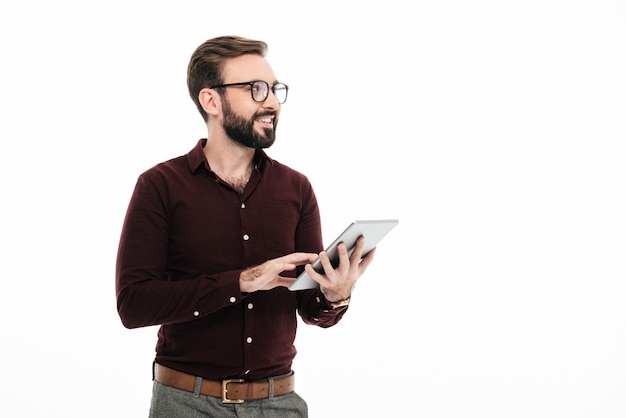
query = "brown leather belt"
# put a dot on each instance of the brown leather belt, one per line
(230, 390)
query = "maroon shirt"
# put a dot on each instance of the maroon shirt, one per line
(186, 238)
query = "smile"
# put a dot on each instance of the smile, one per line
(266, 120)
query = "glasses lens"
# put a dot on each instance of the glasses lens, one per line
(280, 91)
(260, 89)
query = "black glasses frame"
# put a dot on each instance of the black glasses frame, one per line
(267, 89)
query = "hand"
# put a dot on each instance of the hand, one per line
(267, 275)
(336, 283)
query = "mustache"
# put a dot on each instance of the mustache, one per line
(265, 113)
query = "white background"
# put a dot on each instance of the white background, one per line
(494, 130)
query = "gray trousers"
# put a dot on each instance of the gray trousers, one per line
(168, 402)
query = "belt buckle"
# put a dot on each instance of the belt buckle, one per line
(225, 382)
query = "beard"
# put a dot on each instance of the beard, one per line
(242, 130)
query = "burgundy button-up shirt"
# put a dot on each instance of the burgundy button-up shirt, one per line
(186, 238)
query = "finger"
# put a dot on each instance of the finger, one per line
(298, 258)
(358, 249)
(326, 264)
(344, 261)
(279, 267)
(319, 278)
(367, 260)
(284, 281)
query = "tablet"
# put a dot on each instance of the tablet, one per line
(373, 231)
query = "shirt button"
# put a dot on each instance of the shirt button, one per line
(250, 306)
(233, 299)
(196, 313)
(246, 237)
(249, 340)
(243, 205)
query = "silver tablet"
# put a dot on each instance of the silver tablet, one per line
(373, 231)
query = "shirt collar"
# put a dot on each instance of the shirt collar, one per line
(196, 157)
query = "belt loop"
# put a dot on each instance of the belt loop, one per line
(153, 370)
(270, 389)
(196, 391)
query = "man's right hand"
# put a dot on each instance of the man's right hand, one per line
(267, 275)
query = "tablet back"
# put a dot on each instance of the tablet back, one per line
(374, 230)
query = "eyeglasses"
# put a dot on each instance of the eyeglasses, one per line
(259, 90)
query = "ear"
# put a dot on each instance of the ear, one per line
(209, 100)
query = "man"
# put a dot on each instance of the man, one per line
(212, 240)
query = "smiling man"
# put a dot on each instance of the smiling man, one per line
(212, 240)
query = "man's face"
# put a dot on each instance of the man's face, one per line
(243, 130)
(250, 123)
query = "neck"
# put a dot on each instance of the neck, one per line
(231, 161)
(227, 155)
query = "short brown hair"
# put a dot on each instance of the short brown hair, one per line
(207, 61)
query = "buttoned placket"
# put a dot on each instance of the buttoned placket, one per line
(249, 306)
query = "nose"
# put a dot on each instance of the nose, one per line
(271, 102)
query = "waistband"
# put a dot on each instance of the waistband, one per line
(229, 390)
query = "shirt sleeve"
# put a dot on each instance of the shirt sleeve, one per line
(145, 293)
(314, 309)
(312, 306)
